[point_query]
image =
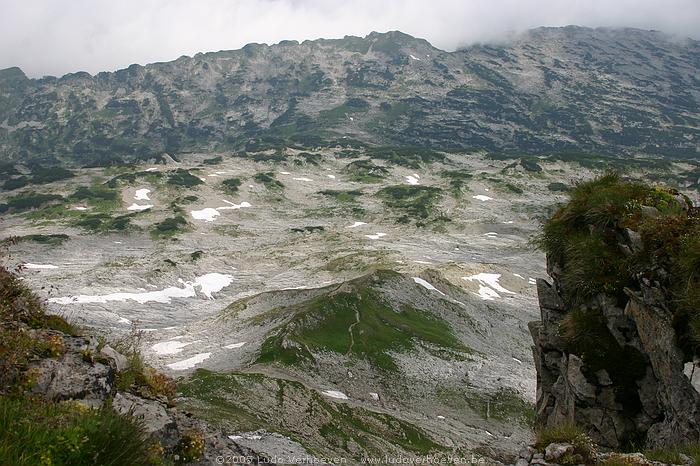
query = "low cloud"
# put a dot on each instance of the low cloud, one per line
(50, 37)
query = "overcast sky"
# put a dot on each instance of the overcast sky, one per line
(60, 36)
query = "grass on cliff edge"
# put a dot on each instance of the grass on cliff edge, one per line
(588, 239)
(35, 431)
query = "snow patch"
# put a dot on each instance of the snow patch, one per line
(170, 347)
(302, 179)
(412, 179)
(189, 362)
(376, 236)
(481, 197)
(332, 177)
(335, 394)
(356, 224)
(414, 58)
(208, 214)
(135, 206)
(79, 207)
(208, 284)
(426, 285)
(39, 266)
(142, 194)
(235, 345)
(488, 285)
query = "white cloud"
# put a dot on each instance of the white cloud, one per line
(51, 37)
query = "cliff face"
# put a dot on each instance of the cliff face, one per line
(612, 364)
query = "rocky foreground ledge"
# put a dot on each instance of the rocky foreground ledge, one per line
(616, 347)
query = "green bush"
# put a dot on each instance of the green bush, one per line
(33, 431)
(182, 177)
(170, 226)
(268, 180)
(231, 185)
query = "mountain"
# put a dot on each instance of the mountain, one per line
(612, 91)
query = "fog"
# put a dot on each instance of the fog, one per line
(50, 37)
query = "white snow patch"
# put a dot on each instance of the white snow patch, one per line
(208, 214)
(335, 394)
(488, 285)
(481, 197)
(170, 347)
(142, 194)
(356, 224)
(374, 396)
(213, 174)
(423, 262)
(79, 207)
(235, 437)
(234, 206)
(189, 362)
(414, 58)
(117, 242)
(426, 285)
(491, 233)
(40, 266)
(285, 173)
(376, 236)
(509, 222)
(208, 284)
(135, 206)
(302, 179)
(213, 283)
(235, 345)
(152, 169)
(442, 418)
(532, 281)
(411, 179)
(517, 360)
(332, 177)
(519, 276)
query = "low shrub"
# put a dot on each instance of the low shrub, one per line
(33, 431)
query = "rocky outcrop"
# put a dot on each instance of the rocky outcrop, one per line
(639, 393)
(562, 453)
(84, 371)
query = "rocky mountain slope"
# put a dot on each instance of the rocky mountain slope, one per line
(550, 89)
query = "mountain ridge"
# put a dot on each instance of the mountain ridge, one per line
(551, 89)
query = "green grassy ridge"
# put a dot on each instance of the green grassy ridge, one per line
(323, 323)
(248, 401)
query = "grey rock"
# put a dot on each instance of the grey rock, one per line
(118, 361)
(71, 376)
(153, 414)
(555, 451)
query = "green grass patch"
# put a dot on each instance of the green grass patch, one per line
(268, 180)
(183, 178)
(244, 401)
(51, 240)
(170, 227)
(415, 202)
(323, 324)
(29, 201)
(34, 432)
(231, 185)
(365, 171)
(105, 223)
(342, 195)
